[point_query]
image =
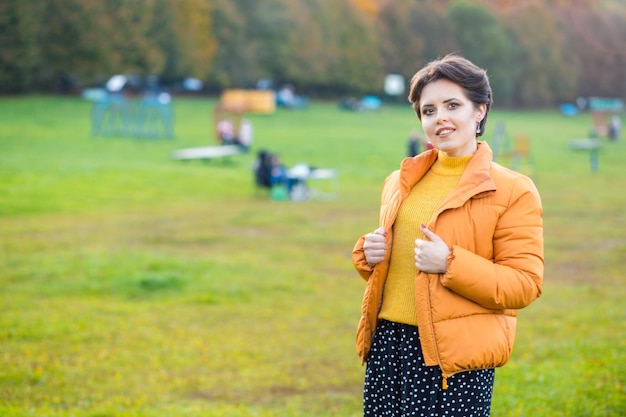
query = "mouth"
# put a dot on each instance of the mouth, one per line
(444, 131)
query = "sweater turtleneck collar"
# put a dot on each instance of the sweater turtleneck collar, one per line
(450, 165)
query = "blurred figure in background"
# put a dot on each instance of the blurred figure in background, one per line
(414, 143)
(245, 138)
(615, 126)
(278, 172)
(226, 132)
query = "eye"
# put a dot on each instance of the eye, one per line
(427, 111)
(453, 105)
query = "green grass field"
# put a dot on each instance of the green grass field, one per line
(135, 285)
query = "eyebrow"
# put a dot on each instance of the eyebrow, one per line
(444, 102)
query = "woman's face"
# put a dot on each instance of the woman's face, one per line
(449, 118)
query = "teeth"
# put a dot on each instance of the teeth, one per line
(445, 131)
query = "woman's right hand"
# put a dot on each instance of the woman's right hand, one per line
(375, 246)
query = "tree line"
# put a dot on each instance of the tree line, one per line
(537, 52)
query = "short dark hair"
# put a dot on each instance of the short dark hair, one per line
(471, 78)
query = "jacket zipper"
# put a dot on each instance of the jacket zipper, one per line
(444, 382)
(444, 377)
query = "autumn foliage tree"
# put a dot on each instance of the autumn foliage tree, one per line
(51, 42)
(537, 52)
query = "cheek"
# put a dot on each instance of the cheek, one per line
(426, 124)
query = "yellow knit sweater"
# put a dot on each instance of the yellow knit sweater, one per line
(425, 196)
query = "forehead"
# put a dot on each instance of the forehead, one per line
(441, 90)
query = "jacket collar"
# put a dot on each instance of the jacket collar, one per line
(476, 178)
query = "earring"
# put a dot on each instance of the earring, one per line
(478, 128)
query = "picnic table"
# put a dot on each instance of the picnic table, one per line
(302, 174)
(591, 145)
(324, 174)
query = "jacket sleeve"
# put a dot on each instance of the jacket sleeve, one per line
(513, 279)
(358, 259)
(358, 255)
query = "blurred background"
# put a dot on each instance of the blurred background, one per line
(139, 281)
(537, 52)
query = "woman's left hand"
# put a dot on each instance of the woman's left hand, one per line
(431, 255)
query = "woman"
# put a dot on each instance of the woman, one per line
(458, 251)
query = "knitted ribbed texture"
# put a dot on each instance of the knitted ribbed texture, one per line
(399, 295)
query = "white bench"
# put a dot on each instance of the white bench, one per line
(591, 145)
(207, 152)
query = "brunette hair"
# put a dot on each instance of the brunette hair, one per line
(471, 78)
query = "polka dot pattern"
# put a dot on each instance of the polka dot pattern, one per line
(398, 384)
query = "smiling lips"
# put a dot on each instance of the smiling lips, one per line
(443, 131)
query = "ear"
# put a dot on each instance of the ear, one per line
(481, 111)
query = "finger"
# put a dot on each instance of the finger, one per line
(374, 243)
(418, 258)
(429, 234)
(375, 257)
(380, 231)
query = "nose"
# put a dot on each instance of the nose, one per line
(442, 116)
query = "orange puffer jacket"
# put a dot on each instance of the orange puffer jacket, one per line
(492, 222)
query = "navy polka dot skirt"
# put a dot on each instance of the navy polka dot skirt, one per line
(398, 384)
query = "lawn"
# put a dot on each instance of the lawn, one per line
(135, 285)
